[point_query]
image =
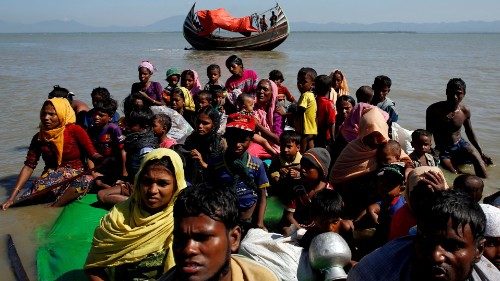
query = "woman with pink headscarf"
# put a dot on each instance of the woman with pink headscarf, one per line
(270, 125)
(191, 81)
(152, 91)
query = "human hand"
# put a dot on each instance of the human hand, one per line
(373, 210)
(281, 110)
(196, 155)
(487, 160)
(434, 180)
(346, 226)
(294, 174)
(7, 203)
(284, 171)
(262, 226)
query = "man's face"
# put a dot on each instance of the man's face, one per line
(492, 250)
(202, 248)
(455, 96)
(446, 254)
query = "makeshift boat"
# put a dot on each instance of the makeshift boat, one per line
(250, 34)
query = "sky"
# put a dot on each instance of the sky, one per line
(102, 13)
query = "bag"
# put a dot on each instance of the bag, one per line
(180, 129)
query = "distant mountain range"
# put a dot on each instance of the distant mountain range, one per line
(174, 24)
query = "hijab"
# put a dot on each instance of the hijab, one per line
(128, 233)
(66, 115)
(269, 112)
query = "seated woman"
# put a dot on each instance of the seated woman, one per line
(203, 144)
(270, 123)
(62, 145)
(151, 90)
(134, 240)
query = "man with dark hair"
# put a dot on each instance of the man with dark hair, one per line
(206, 232)
(444, 120)
(448, 246)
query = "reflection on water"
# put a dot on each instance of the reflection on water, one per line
(419, 65)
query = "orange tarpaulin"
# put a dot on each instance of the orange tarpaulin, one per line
(220, 18)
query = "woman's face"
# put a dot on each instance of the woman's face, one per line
(48, 117)
(236, 69)
(264, 92)
(337, 81)
(188, 83)
(157, 187)
(177, 102)
(144, 75)
(345, 109)
(204, 124)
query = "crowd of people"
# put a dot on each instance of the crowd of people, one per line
(188, 169)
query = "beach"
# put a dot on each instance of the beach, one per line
(419, 65)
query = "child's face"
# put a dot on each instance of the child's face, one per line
(213, 76)
(308, 171)
(289, 150)
(236, 144)
(138, 103)
(144, 75)
(305, 83)
(386, 156)
(204, 124)
(422, 145)
(101, 118)
(158, 128)
(382, 92)
(173, 80)
(388, 190)
(345, 109)
(220, 98)
(337, 81)
(247, 104)
(177, 102)
(188, 82)
(236, 69)
(134, 128)
(203, 102)
(278, 82)
(97, 98)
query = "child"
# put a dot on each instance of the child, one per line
(306, 108)
(364, 94)
(139, 140)
(178, 102)
(213, 74)
(245, 104)
(161, 126)
(421, 141)
(173, 77)
(339, 86)
(325, 117)
(470, 184)
(108, 140)
(203, 100)
(277, 77)
(219, 95)
(190, 81)
(381, 88)
(389, 153)
(284, 170)
(240, 171)
(99, 94)
(314, 173)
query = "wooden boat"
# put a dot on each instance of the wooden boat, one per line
(199, 30)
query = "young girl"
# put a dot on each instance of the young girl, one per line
(190, 81)
(245, 104)
(204, 143)
(151, 90)
(339, 85)
(161, 126)
(182, 102)
(314, 173)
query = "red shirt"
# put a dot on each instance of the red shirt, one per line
(325, 118)
(401, 223)
(76, 146)
(284, 93)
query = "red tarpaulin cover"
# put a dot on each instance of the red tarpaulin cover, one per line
(220, 18)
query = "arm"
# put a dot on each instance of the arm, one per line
(261, 208)
(196, 155)
(472, 137)
(96, 274)
(124, 159)
(22, 178)
(268, 134)
(291, 219)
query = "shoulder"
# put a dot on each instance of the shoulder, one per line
(249, 270)
(255, 162)
(465, 109)
(435, 106)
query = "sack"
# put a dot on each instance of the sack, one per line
(180, 129)
(403, 136)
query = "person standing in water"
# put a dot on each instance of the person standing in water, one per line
(444, 120)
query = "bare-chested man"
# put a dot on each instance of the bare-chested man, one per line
(444, 120)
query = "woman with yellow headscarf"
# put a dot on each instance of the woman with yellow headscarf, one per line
(134, 240)
(62, 145)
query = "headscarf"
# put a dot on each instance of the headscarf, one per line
(416, 175)
(210, 144)
(128, 233)
(147, 65)
(197, 84)
(350, 128)
(269, 112)
(66, 115)
(188, 99)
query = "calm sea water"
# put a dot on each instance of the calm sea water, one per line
(419, 65)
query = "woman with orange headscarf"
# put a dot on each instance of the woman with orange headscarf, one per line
(62, 145)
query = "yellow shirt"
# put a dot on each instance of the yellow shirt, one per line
(308, 101)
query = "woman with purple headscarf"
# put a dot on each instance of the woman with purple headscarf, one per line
(152, 91)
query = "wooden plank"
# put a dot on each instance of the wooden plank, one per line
(15, 261)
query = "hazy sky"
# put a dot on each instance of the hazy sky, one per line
(144, 12)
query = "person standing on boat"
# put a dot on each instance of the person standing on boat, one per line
(273, 19)
(241, 81)
(263, 23)
(151, 90)
(62, 145)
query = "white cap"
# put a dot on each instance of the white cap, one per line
(492, 220)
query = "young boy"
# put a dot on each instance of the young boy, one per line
(213, 74)
(421, 141)
(470, 184)
(381, 88)
(161, 126)
(283, 93)
(203, 100)
(314, 173)
(364, 94)
(108, 140)
(306, 108)
(285, 170)
(242, 172)
(173, 78)
(325, 117)
(99, 94)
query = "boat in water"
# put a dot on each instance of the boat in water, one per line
(203, 30)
